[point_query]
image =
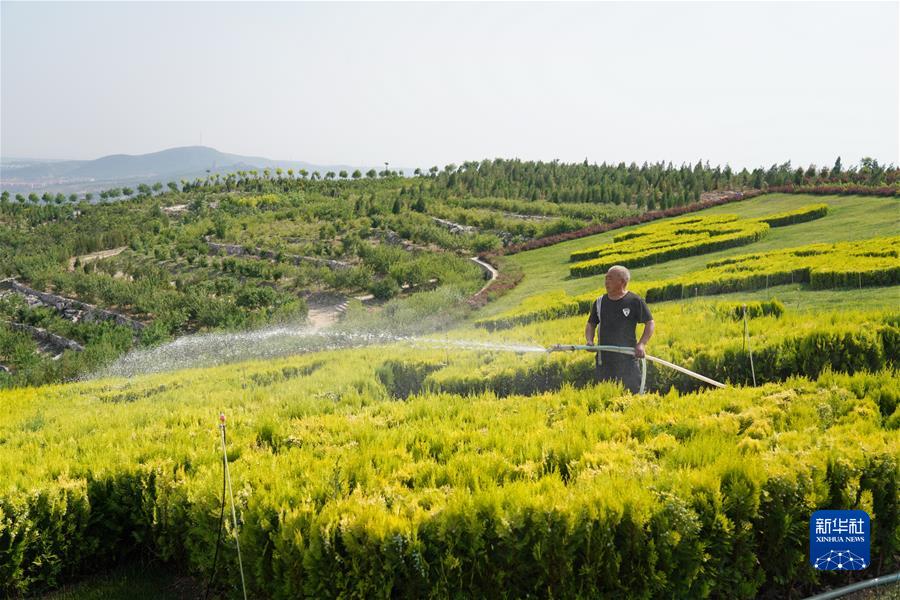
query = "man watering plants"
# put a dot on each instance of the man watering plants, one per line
(616, 314)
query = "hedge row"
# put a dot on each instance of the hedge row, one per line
(725, 516)
(746, 233)
(541, 307)
(520, 378)
(683, 237)
(753, 310)
(647, 217)
(558, 304)
(777, 356)
(840, 348)
(660, 235)
(801, 215)
(601, 265)
(836, 190)
(865, 263)
(693, 229)
(823, 266)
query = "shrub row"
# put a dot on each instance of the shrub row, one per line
(540, 307)
(626, 499)
(836, 190)
(823, 266)
(865, 263)
(660, 235)
(753, 310)
(801, 215)
(402, 378)
(841, 348)
(684, 237)
(746, 235)
(648, 216)
(520, 378)
(778, 355)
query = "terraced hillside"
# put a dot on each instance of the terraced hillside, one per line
(468, 461)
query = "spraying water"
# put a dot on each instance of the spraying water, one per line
(412, 322)
(211, 349)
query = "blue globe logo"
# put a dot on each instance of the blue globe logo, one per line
(844, 560)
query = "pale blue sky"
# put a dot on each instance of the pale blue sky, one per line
(420, 84)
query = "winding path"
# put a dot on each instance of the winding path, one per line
(488, 269)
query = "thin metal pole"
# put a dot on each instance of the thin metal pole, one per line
(747, 344)
(233, 513)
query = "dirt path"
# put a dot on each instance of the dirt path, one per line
(85, 258)
(488, 269)
(320, 317)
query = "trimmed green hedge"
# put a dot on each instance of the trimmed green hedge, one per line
(754, 310)
(801, 215)
(402, 378)
(845, 349)
(684, 237)
(726, 516)
(670, 249)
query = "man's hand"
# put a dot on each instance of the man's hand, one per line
(640, 351)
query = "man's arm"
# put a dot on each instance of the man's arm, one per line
(639, 350)
(589, 333)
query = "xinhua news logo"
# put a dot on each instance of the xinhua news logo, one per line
(839, 540)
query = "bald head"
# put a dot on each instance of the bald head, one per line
(617, 278)
(620, 272)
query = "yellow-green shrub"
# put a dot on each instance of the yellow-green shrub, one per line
(687, 236)
(575, 493)
(800, 215)
(668, 241)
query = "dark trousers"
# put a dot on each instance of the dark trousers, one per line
(622, 368)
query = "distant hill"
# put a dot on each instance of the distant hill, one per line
(173, 164)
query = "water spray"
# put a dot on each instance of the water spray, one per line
(630, 352)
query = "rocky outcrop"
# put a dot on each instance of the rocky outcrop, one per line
(175, 210)
(529, 217)
(334, 265)
(227, 249)
(237, 250)
(73, 310)
(393, 238)
(49, 342)
(454, 227)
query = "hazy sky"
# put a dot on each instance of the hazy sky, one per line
(414, 84)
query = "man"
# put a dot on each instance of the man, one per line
(619, 313)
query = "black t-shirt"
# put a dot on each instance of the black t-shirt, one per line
(618, 320)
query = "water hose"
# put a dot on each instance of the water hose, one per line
(855, 587)
(630, 352)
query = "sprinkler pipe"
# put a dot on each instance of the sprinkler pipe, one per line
(855, 587)
(630, 352)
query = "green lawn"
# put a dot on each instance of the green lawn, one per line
(849, 218)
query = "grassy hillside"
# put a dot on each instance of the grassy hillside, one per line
(849, 218)
(459, 466)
